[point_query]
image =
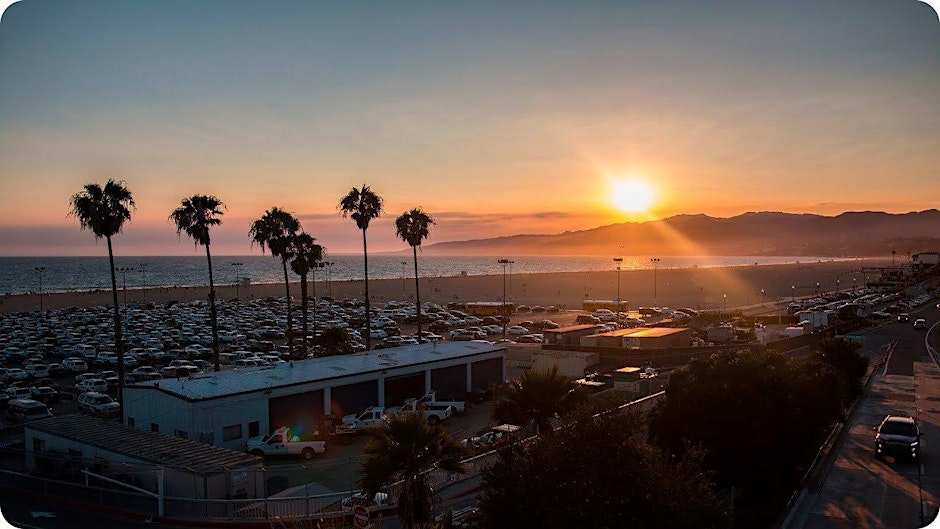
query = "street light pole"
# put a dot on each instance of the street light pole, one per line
(504, 262)
(124, 270)
(40, 269)
(655, 261)
(792, 292)
(143, 276)
(329, 286)
(236, 266)
(761, 297)
(403, 263)
(619, 261)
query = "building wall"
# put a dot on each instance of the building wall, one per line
(213, 421)
(182, 483)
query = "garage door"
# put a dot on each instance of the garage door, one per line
(354, 398)
(302, 412)
(450, 383)
(397, 389)
(486, 372)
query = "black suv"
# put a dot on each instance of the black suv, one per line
(898, 435)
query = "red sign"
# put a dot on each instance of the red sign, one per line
(360, 517)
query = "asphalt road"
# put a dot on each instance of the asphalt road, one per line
(861, 490)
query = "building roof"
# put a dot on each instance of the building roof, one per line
(570, 328)
(656, 332)
(226, 383)
(149, 447)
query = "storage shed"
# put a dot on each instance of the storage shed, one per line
(159, 463)
(570, 335)
(229, 407)
(569, 363)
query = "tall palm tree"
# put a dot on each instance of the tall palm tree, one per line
(196, 216)
(277, 229)
(104, 211)
(307, 254)
(403, 448)
(363, 205)
(537, 397)
(413, 227)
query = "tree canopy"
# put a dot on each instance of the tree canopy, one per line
(537, 398)
(600, 472)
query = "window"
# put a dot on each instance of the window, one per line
(181, 434)
(130, 421)
(230, 433)
(154, 427)
(253, 429)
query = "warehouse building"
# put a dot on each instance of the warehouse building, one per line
(652, 337)
(161, 464)
(227, 408)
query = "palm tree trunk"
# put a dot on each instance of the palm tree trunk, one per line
(313, 270)
(212, 314)
(303, 308)
(365, 258)
(417, 292)
(118, 338)
(290, 321)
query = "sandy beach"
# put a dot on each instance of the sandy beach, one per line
(690, 287)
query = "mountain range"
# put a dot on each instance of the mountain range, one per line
(857, 233)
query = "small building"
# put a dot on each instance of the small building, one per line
(572, 364)
(648, 337)
(229, 407)
(570, 335)
(637, 380)
(159, 463)
(924, 262)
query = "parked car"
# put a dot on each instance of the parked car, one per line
(44, 394)
(98, 404)
(92, 384)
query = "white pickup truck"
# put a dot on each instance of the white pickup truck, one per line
(434, 412)
(430, 400)
(285, 442)
(372, 416)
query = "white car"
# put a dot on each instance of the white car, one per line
(75, 365)
(95, 403)
(517, 330)
(16, 373)
(92, 384)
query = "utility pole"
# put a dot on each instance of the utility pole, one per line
(619, 261)
(504, 262)
(236, 266)
(40, 269)
(655, 261)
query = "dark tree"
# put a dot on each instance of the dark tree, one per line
(404, 448)
(276, 230)
(537, 398)
(759, 418)
(307, 253)
(196, 216)
(413, 227)
(842, 354)
(363, 205)
(598, 472)
(104, 210)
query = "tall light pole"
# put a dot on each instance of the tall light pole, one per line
(792, 292)
(619, 261)
(40, 269)
(817, 288)
(761, 297)
(725, 296)
(143, 276)
(504, 262)
(329, 286)
(124, 270)
(893, 253)
(655, 261)
(237, 266)
(403, 263)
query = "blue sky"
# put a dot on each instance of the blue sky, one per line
(497, 119)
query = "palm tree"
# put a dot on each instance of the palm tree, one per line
(276, 229)
(404, 448)
(537, 397)
(412, 227)
(196, 215)
(363, 205)
(307, 254)
(104, 211)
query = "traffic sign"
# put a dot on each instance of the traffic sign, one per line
(360, 517)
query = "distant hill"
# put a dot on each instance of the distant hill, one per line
(862, 233)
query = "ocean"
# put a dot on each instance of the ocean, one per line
(18, 275)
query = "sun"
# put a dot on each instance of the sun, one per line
(632, 196)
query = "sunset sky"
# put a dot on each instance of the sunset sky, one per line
(496, 119)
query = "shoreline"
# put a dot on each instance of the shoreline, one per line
(702, 287)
